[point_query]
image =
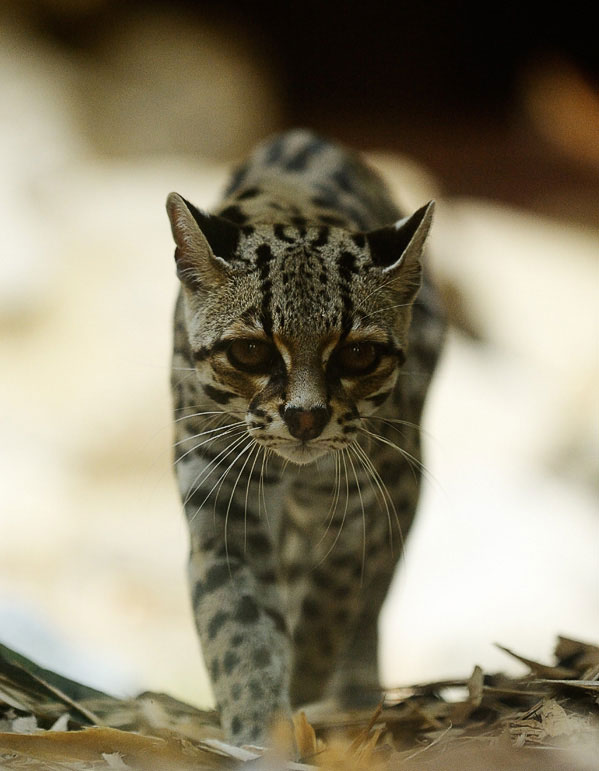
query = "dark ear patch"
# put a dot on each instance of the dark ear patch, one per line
(222, 235)
(383, 246)
(197, 265)
(389, 243)
(397, 251)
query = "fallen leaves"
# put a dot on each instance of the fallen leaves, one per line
(547, 719)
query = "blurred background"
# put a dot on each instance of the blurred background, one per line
(107, 106)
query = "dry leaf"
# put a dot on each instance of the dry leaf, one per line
(462, 710)
(92, 744)
(551, 673)
(521, 723)
(578, 654)
(305, 736)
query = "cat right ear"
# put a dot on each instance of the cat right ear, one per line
(204, 243)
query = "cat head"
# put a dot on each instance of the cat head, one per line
(300, 329)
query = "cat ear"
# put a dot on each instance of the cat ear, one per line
(397, 249)
(204, 243)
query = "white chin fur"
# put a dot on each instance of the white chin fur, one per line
(300, 453)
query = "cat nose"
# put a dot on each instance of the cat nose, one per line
(306, 424)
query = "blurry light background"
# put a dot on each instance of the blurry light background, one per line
(107, 106)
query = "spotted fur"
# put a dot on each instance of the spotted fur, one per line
(300, 474)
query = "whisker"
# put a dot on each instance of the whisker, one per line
(226, 432)
(261, 492)
(226, 413)
(335, 499)
(198, 414)
(332, 546)
(221, 479)
(183, 378)
(245, 462)
(407, 423)
(206, 471)
(402, 434)
(393, 420)
(412, 460)
(374, 475)
(198, 407)
(209, 431)
(363, 518)
(247, 492)
(386, 308)
(231, 448)
(369, 469)
(210, 467)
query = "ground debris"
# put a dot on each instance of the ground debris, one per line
(546, 719)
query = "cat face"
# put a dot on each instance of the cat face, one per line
(301, 397)
(299, 331)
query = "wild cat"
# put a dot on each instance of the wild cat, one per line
(306, 335)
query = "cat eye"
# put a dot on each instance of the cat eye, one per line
(256, 356)
(358, 358)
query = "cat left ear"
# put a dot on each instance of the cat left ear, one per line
(397, 249)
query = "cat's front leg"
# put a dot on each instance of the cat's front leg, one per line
(239, 617)
(338, 571)
(329, 576)
(355, 682)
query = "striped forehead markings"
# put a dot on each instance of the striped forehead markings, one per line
(264, 257)
(347, 268)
